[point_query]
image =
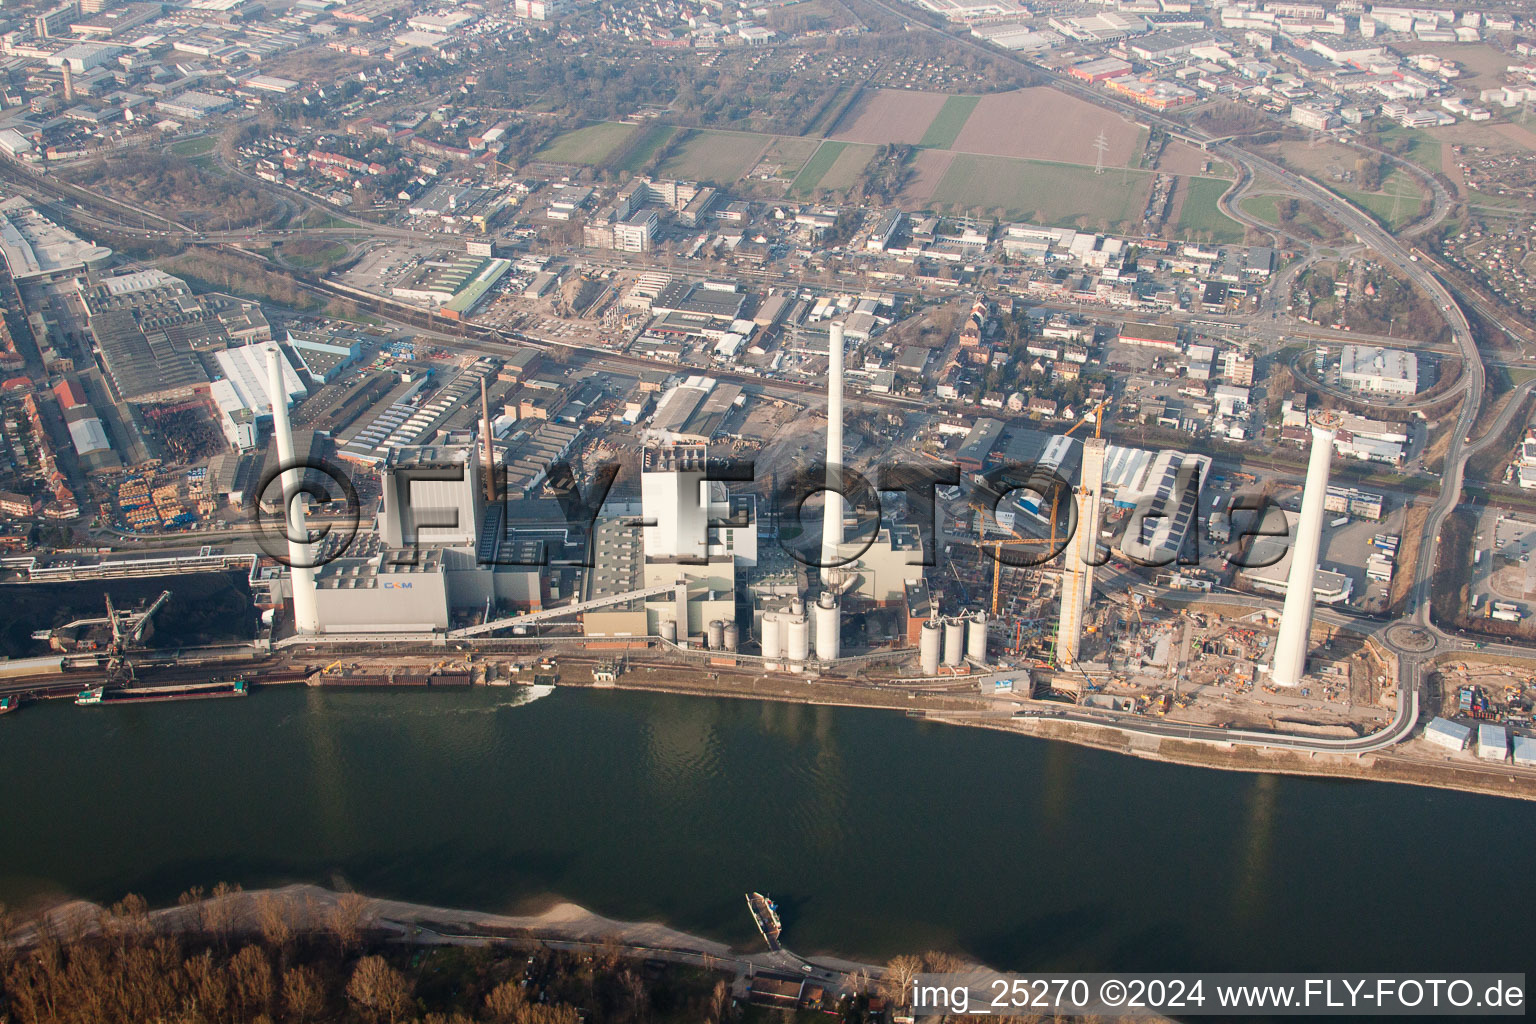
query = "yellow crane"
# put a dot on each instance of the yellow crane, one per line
(1017, 541)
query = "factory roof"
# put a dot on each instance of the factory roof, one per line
(34, 246)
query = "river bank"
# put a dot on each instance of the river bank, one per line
(1470, 777)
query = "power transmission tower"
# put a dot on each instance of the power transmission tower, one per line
(1100, 144)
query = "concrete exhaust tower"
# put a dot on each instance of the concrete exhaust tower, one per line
(1079, 556)
(306, 611)
(1296, 616)
(832, 504)
(490, 452)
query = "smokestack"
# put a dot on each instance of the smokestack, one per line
(306, 613)
(490, 453)
(832, 515)
(69, 83)
(1296, 616)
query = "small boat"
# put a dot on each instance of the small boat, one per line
(766, 913)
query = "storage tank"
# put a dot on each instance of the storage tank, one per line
(799, 641)
(828, 628)
(928, 642)
(669, 630)
(732, 637)
(976, 638)
(773, 635)
(954, 642)
(715, 633)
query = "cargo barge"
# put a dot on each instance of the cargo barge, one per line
(766, 913)
(10, 702)
(157, 694)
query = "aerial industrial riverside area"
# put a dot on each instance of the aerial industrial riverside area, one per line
(1151, 375)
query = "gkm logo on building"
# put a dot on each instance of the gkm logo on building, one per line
(1161, 530)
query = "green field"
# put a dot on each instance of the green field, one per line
(951, 118)
(826, 155)
(317, 258)
(790, 154)
(589, 145)
(845, 169)
(1395, 205)
(1046, 193)
(195, 147)
(1423, 149)
(645, 147)
(716, 157)
(1201, 217)
(1262, 207)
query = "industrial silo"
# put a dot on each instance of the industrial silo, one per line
(928, 642)
(954, 642)
(732, 637)
(828, 628)
(773, 635)
(669, 630)
(799, 638)
(715, 634)
(976, 638)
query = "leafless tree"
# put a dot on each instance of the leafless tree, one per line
(348, 918)
(896, 984)
(378, 989)
(303, 994)
(504, 1002)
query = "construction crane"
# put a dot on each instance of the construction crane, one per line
(1097, 414)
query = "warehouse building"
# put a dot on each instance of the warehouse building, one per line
(1381, 371)
(242, 392)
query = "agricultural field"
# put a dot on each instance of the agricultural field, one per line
(883, 116)
(1043, 193)
(1199, 215)
(949, 122)
(845, 169)
(1044, 124)
(784, 158)
(826, 155)
(635, 153)
(589, 145)
(719, 158)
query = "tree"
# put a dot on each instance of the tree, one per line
(250, 977)
(348, 917)
(896, 983)
(378, 989)
(303, 994)
(503, 1002)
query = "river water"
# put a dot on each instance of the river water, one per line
(877, 834)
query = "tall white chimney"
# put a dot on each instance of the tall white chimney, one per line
(306, 612)
(832, 506)
(1296, 616)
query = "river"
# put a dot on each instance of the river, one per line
(877, 834)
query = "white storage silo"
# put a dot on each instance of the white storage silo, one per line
(715, 634)
(954, 642)
(732, 637)
(976, 638)
(773, 635)
(828, 628)
(799, 637)
(928, 642)
(669, 630)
